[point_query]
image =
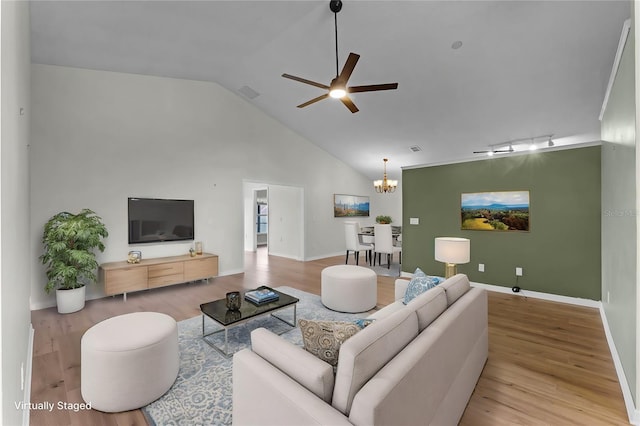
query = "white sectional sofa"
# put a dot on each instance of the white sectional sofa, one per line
(416, 364)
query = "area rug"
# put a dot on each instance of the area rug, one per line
(202, 392)
(393, 271)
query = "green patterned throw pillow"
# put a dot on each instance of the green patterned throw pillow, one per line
(323, 338)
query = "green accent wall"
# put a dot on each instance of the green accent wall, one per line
(561, 252)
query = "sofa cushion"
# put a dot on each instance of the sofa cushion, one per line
(420, 283)
(455, 287)
(400, 287)
(312, 373)
(324, 338)
(428, 306)
(387, 310)
(364, 354)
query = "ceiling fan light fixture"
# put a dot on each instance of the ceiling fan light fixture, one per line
(337, 93)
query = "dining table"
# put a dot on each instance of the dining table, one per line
(369, 231)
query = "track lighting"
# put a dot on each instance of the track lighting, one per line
(532, 144)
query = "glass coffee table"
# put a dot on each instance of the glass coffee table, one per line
(218, 312)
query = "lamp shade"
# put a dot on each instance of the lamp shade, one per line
(453, 250)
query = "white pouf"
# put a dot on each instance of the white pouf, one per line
(349, 288)
(129, 361)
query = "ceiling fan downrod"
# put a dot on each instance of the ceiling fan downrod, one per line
(336, 6)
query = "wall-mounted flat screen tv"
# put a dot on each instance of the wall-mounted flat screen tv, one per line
(153, 220)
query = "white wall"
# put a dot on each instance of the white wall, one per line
(286, 223)
(619, 234)
(99, 137)
(15, 267)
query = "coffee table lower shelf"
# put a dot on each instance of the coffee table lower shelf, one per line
(225, 328)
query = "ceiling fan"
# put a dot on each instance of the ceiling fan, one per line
(338, 87)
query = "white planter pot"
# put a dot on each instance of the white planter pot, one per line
(70, 300)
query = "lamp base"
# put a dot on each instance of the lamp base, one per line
(450, 270)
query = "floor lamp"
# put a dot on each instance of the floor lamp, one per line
(452, 251)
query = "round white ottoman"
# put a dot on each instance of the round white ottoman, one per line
(129, 361)
(349, 288)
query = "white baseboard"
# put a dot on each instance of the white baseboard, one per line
(27, 378)
(632, 412)
(539, 295)
(286, 256)
(231, 272)
(324, 256)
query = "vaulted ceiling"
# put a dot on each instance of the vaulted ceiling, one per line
(522, 68)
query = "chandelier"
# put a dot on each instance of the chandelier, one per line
(385, 185)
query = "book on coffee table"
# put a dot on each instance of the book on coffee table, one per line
(261, 295)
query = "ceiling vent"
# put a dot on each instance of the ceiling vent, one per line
(248, 92)
(415, 148)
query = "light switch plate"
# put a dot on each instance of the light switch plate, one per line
(414, 221)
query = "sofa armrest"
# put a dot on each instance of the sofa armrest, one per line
(303, 367)
(263, 395)
(401, 287)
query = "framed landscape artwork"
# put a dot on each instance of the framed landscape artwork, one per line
(350, 205)
(495, 211)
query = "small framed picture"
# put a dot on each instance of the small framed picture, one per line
(135, 256)
(350, 205)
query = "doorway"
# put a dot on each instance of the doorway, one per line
(274, 217)
(262, 217)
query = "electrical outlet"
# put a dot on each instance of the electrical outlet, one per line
(481, 267)
(518, 272)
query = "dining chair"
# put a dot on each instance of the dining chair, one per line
(383, 242)
(354, 244)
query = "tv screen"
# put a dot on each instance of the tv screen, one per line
(154, 220)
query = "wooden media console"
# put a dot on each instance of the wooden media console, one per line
(123, 277)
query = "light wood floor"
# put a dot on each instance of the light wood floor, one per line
(549, 363)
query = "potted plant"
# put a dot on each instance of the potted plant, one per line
(69, 243)
(383, 219)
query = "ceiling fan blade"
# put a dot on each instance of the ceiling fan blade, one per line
(304, 80)
(314, 100)
(349, 104)
(352, 60)
(372, 87)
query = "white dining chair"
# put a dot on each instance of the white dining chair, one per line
(383, 242)
(354, 244)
